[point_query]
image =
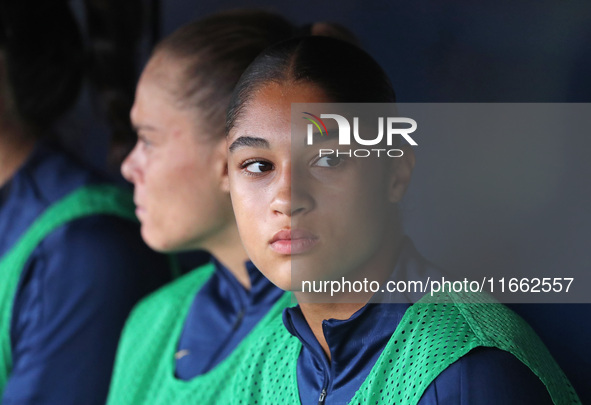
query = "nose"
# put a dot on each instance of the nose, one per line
(292, 196)
(130, 167)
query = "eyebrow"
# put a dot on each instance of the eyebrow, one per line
(249, 141)
(139, 127)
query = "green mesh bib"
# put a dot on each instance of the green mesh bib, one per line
(85, 201)
(145, 364)
(432, 335)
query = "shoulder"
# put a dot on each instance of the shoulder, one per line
(53, 173)
(488, 376)
(47, 176)
(482, 352)
(93, 265)
(466, 352)
(155, 320)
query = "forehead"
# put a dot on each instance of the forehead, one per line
(270, 107)
(157, 86)
(165, 69)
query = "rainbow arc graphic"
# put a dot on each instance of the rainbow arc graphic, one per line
(318, 120)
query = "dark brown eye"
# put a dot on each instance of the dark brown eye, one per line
(258, 167)
(328, 161)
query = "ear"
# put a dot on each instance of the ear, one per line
(225, 184)
(222, 165)
(401, 171)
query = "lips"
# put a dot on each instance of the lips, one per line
(139, 210)
(293, 241)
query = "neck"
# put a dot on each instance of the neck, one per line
(228, 250)
(343, 306)
(15, 148)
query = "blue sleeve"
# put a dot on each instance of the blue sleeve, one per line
(487, 376)
(72, 302)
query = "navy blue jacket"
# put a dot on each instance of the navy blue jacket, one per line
(76, 289)
(221, 315)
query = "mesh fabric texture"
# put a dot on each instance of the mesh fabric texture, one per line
(433, 333)
(145, 363)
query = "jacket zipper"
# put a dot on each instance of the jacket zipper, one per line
(322, 397)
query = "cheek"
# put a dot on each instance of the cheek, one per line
(254, 218)
(249, 209)
(156, 169)
(361, 218)
(362, 198)
(173, 172)
(248, 201)
(352, 219)
(170, 189)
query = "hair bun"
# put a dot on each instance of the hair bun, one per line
(333, 30)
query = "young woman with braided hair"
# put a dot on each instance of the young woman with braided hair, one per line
(317, 215)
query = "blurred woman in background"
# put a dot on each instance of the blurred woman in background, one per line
(181, 343)
(72, 262)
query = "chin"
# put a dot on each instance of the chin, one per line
(282, 278)
(278, 272)
(155, 241)
(285, 285)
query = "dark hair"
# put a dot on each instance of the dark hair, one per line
(43, 60)
(345, 72)
(114, 28)
(215, 52)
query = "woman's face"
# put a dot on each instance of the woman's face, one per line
(177, 167)
(301, 217)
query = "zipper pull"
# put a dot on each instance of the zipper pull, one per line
(322, 397)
